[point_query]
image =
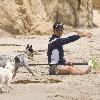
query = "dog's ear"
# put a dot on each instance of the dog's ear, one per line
(30, 47)
(27, 46)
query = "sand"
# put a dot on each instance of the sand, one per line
(44, 86)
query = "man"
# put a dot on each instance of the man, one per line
(56, 53)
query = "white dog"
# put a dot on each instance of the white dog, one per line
(6, 75)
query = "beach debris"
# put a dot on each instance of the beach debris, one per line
(7, 44)
(95, 64)
(26, 81)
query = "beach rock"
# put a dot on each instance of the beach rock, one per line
(24, 16)
(96, 4)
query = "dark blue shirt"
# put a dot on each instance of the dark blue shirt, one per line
(55, 48)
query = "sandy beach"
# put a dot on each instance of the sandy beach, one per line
(44, 86)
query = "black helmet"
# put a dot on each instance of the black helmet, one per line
(58, 26)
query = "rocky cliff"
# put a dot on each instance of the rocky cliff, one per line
(96, 4)
(37, 16)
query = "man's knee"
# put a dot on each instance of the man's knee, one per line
(70, 69)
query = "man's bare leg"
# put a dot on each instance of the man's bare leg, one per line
(65, 70)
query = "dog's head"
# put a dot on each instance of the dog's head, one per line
(29, 50)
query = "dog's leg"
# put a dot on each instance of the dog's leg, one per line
(30, 71)
(8, 85)
(15, 71)
(6, 89)
(1, 90)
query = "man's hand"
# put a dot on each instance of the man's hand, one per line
(69, 64)
(85, 34)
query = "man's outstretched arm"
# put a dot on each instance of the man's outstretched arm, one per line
(63, 41)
